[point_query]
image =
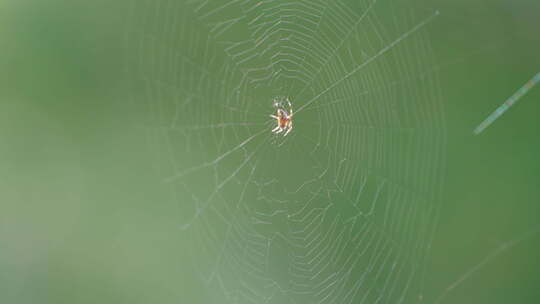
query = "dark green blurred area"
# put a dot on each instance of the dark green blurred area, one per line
(83, 219)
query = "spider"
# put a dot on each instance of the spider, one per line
(283, 117)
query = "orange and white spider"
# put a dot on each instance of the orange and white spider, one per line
(283, 116)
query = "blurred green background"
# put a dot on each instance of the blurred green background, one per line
(83, 219)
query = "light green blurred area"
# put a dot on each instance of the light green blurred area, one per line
(84, 219)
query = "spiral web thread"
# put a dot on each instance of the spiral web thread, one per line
(342, 210)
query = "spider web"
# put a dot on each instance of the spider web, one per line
(342, 209)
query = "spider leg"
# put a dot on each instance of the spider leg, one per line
(279, 131)
(274, 116)
(287, 132)
(276, 129)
